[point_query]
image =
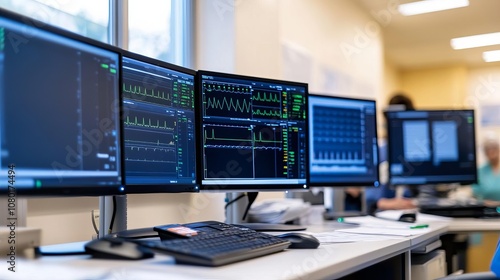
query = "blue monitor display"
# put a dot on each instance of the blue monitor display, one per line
(254, 133)
(431, 147)
(59, 110)
(159, 126)
(343, 142)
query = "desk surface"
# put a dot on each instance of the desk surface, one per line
(466, 225)
(328, 261)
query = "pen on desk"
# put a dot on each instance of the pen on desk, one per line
(419, 226)
(342, 221)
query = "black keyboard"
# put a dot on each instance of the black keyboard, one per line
(214, 243)
(461, 211)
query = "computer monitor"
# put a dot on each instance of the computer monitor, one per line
(343, 147)
(431, 147)
(159, 126)
(253, 133)
(59, 111)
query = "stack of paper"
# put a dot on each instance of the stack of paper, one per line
(376, 226)
(278, 211)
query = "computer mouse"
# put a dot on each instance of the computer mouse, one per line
(408, 217)
(300, 240)
(117, 248)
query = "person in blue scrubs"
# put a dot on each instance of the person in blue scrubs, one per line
(487, 188)
(384, 197)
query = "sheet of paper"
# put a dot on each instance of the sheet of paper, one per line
(385, 231)
(395, 214)
(344, 237)
(374, 221)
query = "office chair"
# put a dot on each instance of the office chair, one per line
(487, 275)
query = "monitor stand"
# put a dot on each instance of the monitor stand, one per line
(334, 201)
(236, 213)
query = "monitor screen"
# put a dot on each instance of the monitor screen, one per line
(254, 133)
(343, 147)
(59, 103)
(159, 126)
(431, 147)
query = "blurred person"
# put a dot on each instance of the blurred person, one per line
(487, 188)
(385, 197)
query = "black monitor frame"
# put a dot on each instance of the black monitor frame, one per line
(450, 114)
(347, 183)
(249, 187)
(83, 190)
(162, 188)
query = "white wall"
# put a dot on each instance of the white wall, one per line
(332, 44)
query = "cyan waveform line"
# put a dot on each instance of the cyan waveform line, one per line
(149, 143)
(270, 113)
(265, 98)
(228, 105)
(137, 90)
(153, 149)
(146, 122)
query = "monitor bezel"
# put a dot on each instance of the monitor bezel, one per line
(248, 187)
(161, 188)
(368, 183)
(83, 190)
(431, 182)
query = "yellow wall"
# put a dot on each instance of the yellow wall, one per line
(436, 88)
(479, 254)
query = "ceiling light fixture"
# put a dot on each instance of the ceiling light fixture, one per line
(491, 56)
(429, 6)
(475, 41)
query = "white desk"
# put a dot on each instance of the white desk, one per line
(327, 262)
(468, 225)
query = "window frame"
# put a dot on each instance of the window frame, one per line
(181, 30)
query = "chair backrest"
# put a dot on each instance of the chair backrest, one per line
(495, 261)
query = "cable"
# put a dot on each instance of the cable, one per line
(251, 198)
(234, 200)
(110, 230)
(96, 228)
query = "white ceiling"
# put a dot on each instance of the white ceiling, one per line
(423, 41)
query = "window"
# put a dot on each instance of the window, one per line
(88, 18)
(160, 29)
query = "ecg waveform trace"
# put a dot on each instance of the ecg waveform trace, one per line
(338, 134)
(147, 160)
(268, 113)
(150, 138)
(148, 120)
(227, 137)
(226, 106)
(131, 90)
(150, 154)
(266, 104)
(227, 100)
(267, 97)
(148, 88)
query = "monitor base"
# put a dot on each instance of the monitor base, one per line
(332, 215)
(137, 233)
